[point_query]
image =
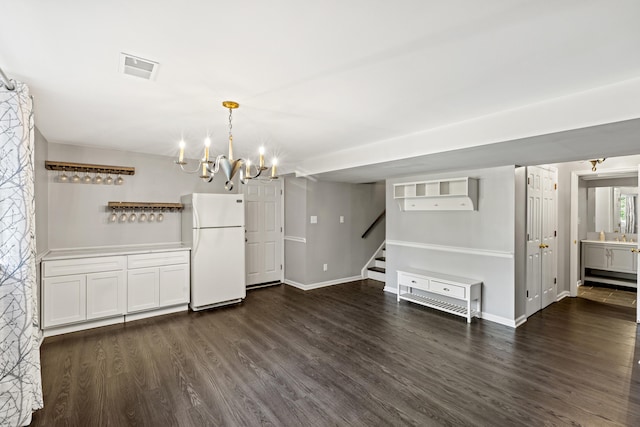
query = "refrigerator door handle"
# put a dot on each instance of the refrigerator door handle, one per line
(196, 240)
(196, 217)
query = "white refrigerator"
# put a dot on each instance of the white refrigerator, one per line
(213, 226)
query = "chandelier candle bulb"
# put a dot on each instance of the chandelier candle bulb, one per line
(273, 168)
(248, 168)
(261, 157)
(207, 144)
(204, 170)
(181, 158)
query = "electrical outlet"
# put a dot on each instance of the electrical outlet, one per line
(313, 219)
(341, 219)
(324, 267)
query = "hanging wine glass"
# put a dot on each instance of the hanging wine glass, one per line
(114, 216)
(63, 177)
(133, 217)
(143, 217)
(75, 178)
(108, 180)
(87, 177)
(97, 179)
(160, 216)
(152, 216)
(123, 217)
(120, 180)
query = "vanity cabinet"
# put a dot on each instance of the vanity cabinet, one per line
(601, 261)
(456, 295)
(84, 289)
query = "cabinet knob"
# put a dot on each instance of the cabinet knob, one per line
(446, 289)
(413, 281)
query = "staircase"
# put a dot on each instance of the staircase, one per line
(377, 267)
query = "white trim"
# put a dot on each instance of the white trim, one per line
(456, 249)
(363, 272)
(321, 284)
(83, 326)
(153, 313)
(295, 239)
(562, 295)
(391, 290)
(520, 320)
(503, 320)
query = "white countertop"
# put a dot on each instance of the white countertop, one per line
(611, 242)
(112, 250)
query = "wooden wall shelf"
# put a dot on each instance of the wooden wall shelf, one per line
(87, 167)
(145, 205)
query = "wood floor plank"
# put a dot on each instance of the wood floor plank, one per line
(346, 355)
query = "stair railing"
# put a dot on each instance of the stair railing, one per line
(375, 222)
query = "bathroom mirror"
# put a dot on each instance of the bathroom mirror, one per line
(612, 209)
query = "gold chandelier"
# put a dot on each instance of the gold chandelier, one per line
(230, 167)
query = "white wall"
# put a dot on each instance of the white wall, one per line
(484, 240)
(78, 214)
(41, 190)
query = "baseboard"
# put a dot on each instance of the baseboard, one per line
(562, 295)
(520, 320)
(391, 290)
(502, 320)
(157, 312)
(83, 326)
(321, 284)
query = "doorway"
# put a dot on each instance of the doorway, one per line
(604, 234)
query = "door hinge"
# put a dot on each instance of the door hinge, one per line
(528, 181)
(281, 192)
(280, 266)
(555, 186)
(528, 237)
(555, 233)
(527, 294)
(555, 280)
(281, 229)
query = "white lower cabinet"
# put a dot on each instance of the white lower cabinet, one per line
(163, 282)
(80, 293)
(77, 290)
(142, 289)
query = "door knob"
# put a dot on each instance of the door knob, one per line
(543, 246)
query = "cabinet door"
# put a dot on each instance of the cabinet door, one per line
(622, 259)
(105, 294)
(143, 286)
(174, 284)
(64, 300)
(595, 256)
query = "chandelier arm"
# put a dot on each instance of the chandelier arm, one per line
(182, 164)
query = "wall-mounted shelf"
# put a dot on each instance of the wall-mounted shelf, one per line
(454, 194)
(86, 167)
(145, 205)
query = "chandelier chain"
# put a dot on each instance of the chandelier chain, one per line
(230, 125)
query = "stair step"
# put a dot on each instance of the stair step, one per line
(381, 258)
(377, 269)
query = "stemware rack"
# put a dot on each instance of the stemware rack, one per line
(86, 167)
(142, 208)
(171, 207)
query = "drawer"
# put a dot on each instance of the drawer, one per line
(66, 267)
(447, 289)
(417, 282)
(158, 259)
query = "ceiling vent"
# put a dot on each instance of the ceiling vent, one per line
(138, 67)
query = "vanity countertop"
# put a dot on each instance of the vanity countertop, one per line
(611, 242)
(57, 254)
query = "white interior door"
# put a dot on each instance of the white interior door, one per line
(638, 265)
(534, 239)
(263, 223)
(541, 253)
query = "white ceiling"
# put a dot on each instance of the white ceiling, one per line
(315, 78)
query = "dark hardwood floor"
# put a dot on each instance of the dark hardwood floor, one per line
(347, 355)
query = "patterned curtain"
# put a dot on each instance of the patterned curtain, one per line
(20, 382)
